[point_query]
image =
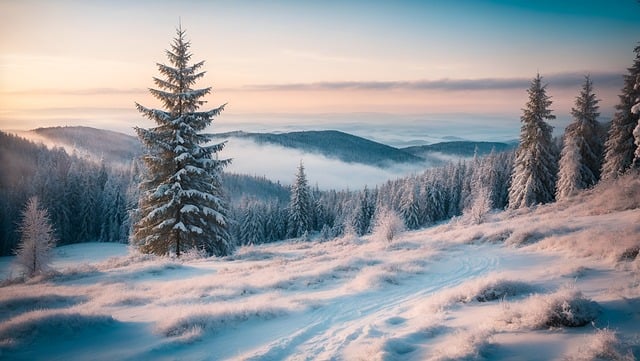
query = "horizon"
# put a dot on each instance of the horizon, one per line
(313, 65)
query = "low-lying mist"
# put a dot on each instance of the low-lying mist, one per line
(280, 164)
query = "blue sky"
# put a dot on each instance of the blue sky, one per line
(86, 62)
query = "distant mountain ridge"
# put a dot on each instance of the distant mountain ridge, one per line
(122, 148)
(460, 148)
(333, 144)
(98, 143)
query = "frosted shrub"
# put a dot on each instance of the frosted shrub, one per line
(37, 241)
(466, 345)
(484, 289)
(496, 289)
(387, 226)
(194, 254)
(616, 195)
(564, 308)
(602, 345)
(477, 212)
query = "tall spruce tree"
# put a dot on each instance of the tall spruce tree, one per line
(582, 150)
(535, 168)
(619, 148)
(300, 205)
(181, 205)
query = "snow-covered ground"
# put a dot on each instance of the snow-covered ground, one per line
(507, 289)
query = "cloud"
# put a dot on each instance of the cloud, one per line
(570, 80)
(79, 91)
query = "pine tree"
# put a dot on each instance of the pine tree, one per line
(580, 157)
(252, 228)
(534, 174)
(364, 213)
(636, 136)
(636, 131)
(182, 205)
(409, 207)
(570, 178)
(300, 205)
(619, 149)
(275, 222)
(37, 241)
(114, 205)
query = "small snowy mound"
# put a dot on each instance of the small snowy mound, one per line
(566, 307)
(12, 307)
(46, 323)
(191, 322)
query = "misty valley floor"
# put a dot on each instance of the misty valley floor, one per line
(449, 292)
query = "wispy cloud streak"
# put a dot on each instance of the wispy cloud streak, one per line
(560, 80)
(79, 91)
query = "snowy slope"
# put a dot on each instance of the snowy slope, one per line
(502, 290)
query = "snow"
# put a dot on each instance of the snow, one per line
(505, 289)
(180, 226)
(189, 208)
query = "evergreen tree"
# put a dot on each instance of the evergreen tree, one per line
(37, 240)
(570, 178)
(114, 205)
(619, 149)
(636, 136)
(636, 131)
(580, 157)
(275, 222)
(300, 205)
(364, 213)
(454, 181)
(252, 230)
(409, 207)
(181, 205)
(534, 174)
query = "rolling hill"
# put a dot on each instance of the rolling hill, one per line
(121, 148)
(98, 143)
(333, 144)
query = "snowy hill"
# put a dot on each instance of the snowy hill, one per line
(113, 147)
(557, 282)
(120, 148)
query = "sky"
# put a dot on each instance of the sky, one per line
(312, 63)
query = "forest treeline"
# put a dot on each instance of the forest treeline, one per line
(94, 200)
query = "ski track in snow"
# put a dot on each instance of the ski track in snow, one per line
(330, 328)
